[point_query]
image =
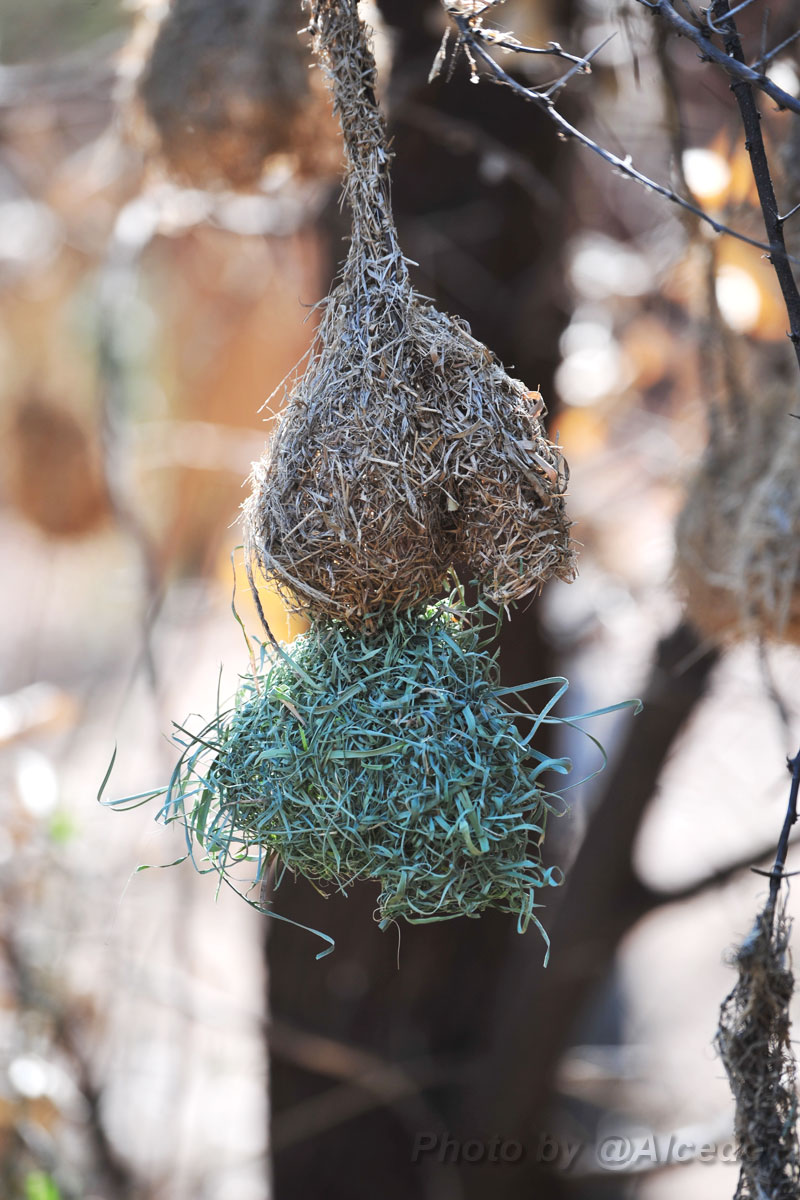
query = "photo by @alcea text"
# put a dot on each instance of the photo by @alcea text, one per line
(630, 1151)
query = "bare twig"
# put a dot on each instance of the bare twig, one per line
(754, 142)
(775, 51)
(777, 874)
(471, 39)
(737, 68)
(507, 41)
(709, 15)
(583, 67)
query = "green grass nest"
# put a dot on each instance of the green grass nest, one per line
(393, 756)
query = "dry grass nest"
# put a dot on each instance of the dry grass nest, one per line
(226, 85)
(401, 458)
(391, 757)
(738, 537)
(405, 449)
(754, 1043)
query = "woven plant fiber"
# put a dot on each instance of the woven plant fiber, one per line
(405, 449)
(392, 757)
(754, 1043)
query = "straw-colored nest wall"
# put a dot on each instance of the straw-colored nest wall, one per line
(405, 449)
(738, 537)
(755, 1044)
(392, 465)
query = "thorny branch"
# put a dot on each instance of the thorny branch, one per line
(735, 67)
(473, 40)
(777, 874)
(754, 143)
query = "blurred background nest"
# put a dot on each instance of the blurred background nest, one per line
(738, 536)
(153, 295)
(223, 88)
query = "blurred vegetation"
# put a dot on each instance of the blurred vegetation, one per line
(36, 30)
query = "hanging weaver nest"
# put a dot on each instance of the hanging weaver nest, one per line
(227, 85)
(391, 757)
(405, 448)
(738, 537)
(53, 470)
(754, 1043)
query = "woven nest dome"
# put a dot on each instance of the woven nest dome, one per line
(226, 86)
(405, 449)
(738, 537)
(390, 757)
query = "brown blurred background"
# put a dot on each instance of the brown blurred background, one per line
(162, 1043)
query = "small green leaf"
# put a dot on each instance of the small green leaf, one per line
(39, 1186)
(62, 827)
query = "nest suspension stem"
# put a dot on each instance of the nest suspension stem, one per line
(342, 45)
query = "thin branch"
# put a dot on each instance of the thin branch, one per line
(734, 66)
(754, 143)
(732, 13)
(767, 58)
(471, 38)
(507, 41)
(658, 898)
(783, 219)
(583, 67)
(777, 874)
